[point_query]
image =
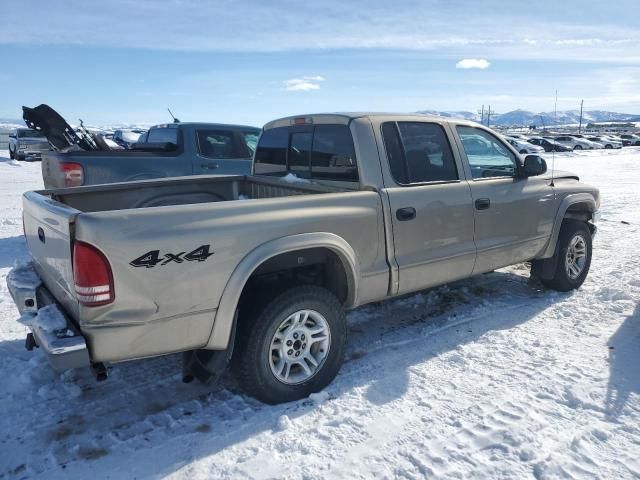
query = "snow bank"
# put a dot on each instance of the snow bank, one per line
(491, 377)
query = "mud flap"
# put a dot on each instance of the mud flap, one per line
(544, 269)
(207, 365)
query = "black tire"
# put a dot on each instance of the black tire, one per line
(608, 147)
(251, 365)
(578, 147)
(561, 279)
(12, 156)
(523, 152)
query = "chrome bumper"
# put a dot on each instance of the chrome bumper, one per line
(65, 347)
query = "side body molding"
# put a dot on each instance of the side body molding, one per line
(223, 323)
(573, 199)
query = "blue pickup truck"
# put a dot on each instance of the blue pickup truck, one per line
(168, 150)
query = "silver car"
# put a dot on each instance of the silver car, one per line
(27, 144)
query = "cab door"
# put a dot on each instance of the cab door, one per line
(513, 215)
(431, 206)
(221, 152)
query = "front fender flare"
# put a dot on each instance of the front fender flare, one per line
(573, 199)
(225, 315)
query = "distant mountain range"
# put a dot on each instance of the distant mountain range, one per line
(513, 118)
(526, 118)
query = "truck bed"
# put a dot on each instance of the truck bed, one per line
(179, 191)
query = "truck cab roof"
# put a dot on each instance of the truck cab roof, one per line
(346, 117)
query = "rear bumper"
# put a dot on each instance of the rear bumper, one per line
(64, 347)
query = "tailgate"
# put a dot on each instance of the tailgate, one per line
(49, 233)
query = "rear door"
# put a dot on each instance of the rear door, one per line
(431, 207)
(223, 151)
(513, 215)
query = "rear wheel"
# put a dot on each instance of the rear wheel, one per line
(578, 147)
(573, 257)
(608, 147)
(523, 152)
(292, 347)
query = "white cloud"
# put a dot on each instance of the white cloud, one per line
(303, 84)
(468, 63)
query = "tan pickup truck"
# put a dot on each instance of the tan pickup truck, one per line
(341, 210)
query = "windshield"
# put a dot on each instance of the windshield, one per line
(30, 134)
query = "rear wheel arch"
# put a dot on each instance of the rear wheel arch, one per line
(282, 255)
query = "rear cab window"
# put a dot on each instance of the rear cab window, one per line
(319, 152)
(163, 135)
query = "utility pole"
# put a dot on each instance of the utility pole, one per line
(482, 115)
(580, 126)
(489, 117)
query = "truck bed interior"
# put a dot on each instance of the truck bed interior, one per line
(179, 191)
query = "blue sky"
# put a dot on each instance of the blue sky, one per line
(252, 61)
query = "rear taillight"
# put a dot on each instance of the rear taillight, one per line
(73, 174)
(92, 276)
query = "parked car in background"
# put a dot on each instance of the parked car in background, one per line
(126, 138)
(549, 144)
(264, 266)
(607, 142)
(524, 147)
(630, 139)
(169, 150)
(27, 144)
(575, 143)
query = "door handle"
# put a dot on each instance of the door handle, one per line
(483, 204)
(210, 166)
(406, 213)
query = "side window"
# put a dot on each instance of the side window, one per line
(218, 144)
(333, 156)
(271, 155)
(488, 157)
(418, 152)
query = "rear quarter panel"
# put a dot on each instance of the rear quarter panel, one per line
(171, 306)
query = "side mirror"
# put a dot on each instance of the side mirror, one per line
(534, 166)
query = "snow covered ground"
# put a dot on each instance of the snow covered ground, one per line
(491, 377)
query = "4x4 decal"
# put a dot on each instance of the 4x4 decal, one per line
(153, 258)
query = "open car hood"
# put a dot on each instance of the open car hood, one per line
(60, 134)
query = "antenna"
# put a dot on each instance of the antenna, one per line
(553, 152)
(580, 126)
(175, 120)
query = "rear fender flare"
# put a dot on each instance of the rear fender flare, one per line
(225, 315)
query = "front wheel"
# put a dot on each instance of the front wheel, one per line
(523, 152)
(293, 347)
(12, 155)
(574, 251)
(608, 147)
(578, 147)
